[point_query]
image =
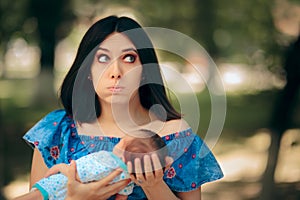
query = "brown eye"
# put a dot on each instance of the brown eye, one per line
(129, 58)
(103, 58)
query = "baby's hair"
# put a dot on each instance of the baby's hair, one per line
(150, 143)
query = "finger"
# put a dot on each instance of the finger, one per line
(156, 161)
(129, 167)
(147, 164)
(130, 171)
(116, 187)
(71, 173)
(121, 197)
(63, 168)
(148, 168)
(133, 178)
(138, 166)
(138, 170)
(156, 164)
(108, 179)
(169, 161)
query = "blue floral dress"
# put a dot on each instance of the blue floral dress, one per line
(56, 137)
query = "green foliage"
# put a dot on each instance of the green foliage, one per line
(12, 18)
(232, 30)
(295, 1)
(250, 27)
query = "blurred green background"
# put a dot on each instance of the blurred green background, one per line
(246, 39)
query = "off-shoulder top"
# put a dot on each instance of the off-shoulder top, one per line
(57, 139)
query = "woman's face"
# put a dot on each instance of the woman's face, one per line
(116, 70)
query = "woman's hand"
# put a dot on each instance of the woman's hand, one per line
(100, 190)
(151, 180)
(148, 177)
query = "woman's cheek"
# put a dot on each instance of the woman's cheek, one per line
(98, 81)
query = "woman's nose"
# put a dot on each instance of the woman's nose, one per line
(115, 76)
(115, 72)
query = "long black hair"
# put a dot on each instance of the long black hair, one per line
(77, 93)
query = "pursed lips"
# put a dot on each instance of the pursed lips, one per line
(115, 89)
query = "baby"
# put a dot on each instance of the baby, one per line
(98, 165)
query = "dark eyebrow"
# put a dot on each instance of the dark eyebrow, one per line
(129, 49)
(124, 50)
(103, 49)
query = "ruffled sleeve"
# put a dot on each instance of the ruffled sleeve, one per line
(194, 164)
(55, 137)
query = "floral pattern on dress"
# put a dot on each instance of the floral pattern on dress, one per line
(57, 139)
(54, 153)
(171, 172)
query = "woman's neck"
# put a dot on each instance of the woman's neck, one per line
(122, 114)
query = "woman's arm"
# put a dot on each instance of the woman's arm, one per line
(192, 195)
(100, 190)
(163, 190)
(34, 195)
(158, 191)
(38, 167)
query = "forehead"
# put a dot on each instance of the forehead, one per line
(117, 41)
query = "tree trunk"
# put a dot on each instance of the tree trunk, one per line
(282, 117)
(268, 182)
(54, 19)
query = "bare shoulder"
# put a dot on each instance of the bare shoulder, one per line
(173, 126)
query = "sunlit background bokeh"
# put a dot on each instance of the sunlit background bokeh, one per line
(246, 39)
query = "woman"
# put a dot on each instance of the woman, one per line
(115, 86)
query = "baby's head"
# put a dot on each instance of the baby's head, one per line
(140, 143)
